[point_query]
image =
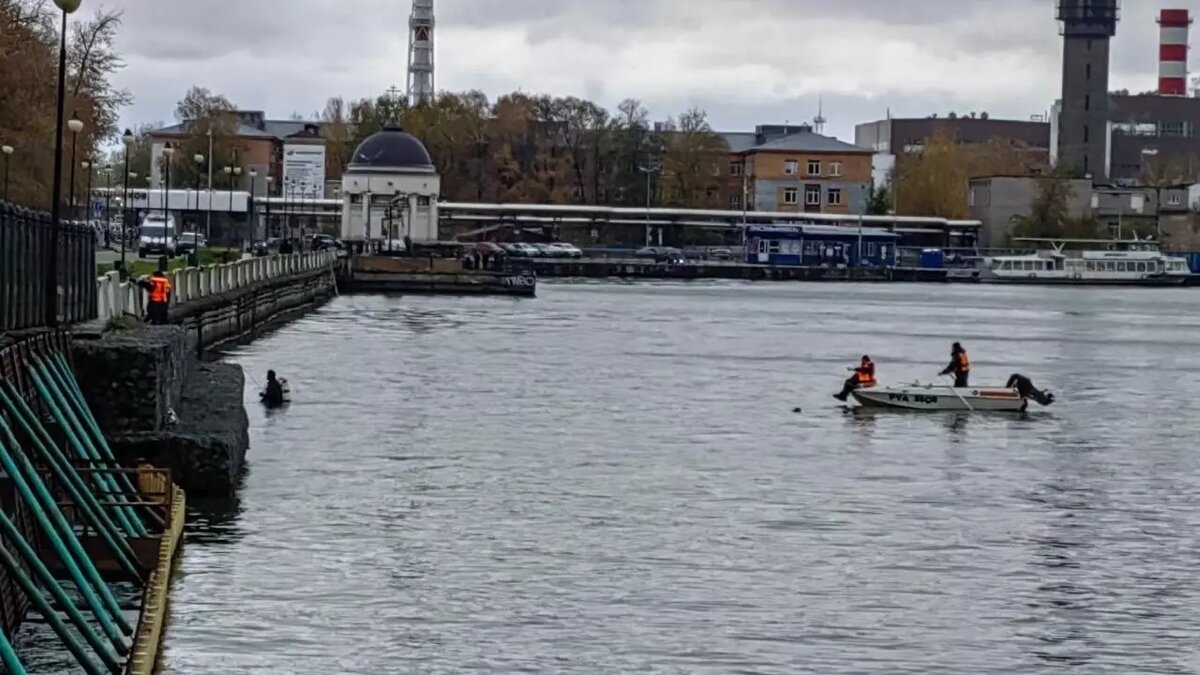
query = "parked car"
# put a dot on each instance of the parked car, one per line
(521, 249)
(564, 250)
(661, 254)
(324, 242)
(720, 254)
(546, 250)
(189, 242)
(157, 236)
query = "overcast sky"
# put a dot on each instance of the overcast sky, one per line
(744, 61)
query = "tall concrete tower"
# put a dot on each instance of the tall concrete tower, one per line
(1087, 29)
(420, 53)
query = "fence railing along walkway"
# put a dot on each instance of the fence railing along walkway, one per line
(24, 267)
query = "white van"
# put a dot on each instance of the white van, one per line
(157, 236)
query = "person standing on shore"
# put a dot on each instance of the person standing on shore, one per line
(159, 301)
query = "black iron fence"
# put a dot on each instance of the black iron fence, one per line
(24, 267)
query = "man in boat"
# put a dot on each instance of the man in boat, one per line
(864, 376)
(960, 366)
(272, 397)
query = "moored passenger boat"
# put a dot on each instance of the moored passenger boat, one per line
(1130, 262)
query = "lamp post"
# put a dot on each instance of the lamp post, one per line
(650, 170)
(8, 151)
(199, 159)
(51, 308)
(90, 168)
(270, 180)
(252, 212)
(107, 205)
(127, 139)
(75, 125)
(168, 152)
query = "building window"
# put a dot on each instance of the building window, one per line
(1089, 71)
(835, 168)
(1087, 102)
(791, 167)
(791, 196)
(1174, 199)
(814, 167)
(1176, 129)
(735, 168)
(812, 195)
(834, 197)
(1086, 133)
(735, 202)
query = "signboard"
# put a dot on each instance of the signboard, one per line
(304, 170)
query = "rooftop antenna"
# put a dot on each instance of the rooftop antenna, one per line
(819, 120)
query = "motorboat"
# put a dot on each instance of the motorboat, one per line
(931, 396)
(1130, 262)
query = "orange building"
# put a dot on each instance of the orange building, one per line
(791, 168)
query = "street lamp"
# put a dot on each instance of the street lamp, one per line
(199, 159)
(267, 232)
(51, 308)
(650, 170)
(90, 168)
(127, 139)
(252, 212)
(168, 152)
(75, 125)
(8, 151)
(107, 205)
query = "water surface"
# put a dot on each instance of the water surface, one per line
(610, 478)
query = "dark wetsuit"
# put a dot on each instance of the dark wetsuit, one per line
(273, 396)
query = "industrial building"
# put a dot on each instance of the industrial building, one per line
(893, 139)
(1118, 137)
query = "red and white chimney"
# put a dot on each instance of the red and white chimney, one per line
(1173, 52)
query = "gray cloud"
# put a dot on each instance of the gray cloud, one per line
(745, 61)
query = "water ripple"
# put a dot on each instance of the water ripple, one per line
(610, 479)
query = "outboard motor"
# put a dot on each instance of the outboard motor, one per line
(1025, 388)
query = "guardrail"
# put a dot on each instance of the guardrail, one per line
(119, 298)
(24, 266)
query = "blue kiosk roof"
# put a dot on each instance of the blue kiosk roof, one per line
(822, 231)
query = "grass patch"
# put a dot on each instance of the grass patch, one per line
(209, 255)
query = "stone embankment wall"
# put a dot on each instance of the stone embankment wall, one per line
(155, 398)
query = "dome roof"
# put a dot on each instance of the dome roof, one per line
(391, 150)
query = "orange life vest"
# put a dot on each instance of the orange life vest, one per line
(964, 363)
(160, 289)
(866, 373)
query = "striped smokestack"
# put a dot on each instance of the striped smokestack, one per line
(1173, 52)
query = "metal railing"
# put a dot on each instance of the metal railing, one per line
(24, 267)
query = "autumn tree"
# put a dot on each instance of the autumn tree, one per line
(206, 117)
(29, 54)
(935, 181)
(691, 161)
(1050, 216)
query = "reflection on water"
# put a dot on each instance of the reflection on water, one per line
(611, 478)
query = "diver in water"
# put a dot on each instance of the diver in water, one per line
(272, 396)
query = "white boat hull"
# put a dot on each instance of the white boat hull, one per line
(934, 397)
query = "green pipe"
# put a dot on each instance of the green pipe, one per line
(79, 495)
(72, 387)
(69, 552)
(77, 407)
(78, 410)
(43, 573)
(63, 401)
(8, 657)
(97, 478)
(45, 442)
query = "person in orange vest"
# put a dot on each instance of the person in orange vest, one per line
(159, 301)
(960, 366)
(864, 376)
